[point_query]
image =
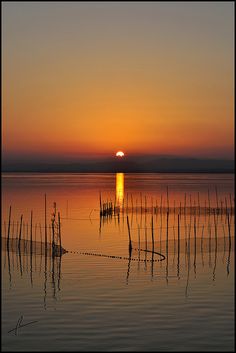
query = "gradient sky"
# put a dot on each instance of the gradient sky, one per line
(92, 78)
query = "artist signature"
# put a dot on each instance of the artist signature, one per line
(19, 325)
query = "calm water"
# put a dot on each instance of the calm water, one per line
(121, 303)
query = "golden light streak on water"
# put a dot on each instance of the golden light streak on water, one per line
(119, 188)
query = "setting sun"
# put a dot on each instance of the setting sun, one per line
(120, 154)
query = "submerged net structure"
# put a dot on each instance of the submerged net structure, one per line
(27, 247)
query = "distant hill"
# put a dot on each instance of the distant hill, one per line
(131, 164)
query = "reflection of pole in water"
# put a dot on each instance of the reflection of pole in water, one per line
(195, 246)
(185, 232)
(119, 189)
(53, 276)
(167, 225)
(19, 253)
(188, 266)
(209, 229)
(161, 237)
(9, 265)
(128, 270)
(45, 283)
(138, 245)
(152, 263)
(214, 269)
(9, 225)
(59, 274)
(178, 248)
(145, 245)
(202, 246)
(224, 242)
(45, 223)
(228, 261)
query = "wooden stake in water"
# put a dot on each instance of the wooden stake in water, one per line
(20, 232)
(31, 230)
(184, 202)
(167, 196)
(209, 204)
(13, 225)
(9, 225)
(100, 199)
(152, 235)
(5, 229)
(127, 203)
(231, 208)
(45, 222)
(53, 228)
(130, 242)
(138, 236)
(178, 237)
(41, 240)
(195, 240)
(167, 244)
(59, 230)
(141, 206)
(215, 224)
(226, 207)
(198, 199)
(217, 203)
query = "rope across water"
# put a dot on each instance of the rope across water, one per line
(123, 257)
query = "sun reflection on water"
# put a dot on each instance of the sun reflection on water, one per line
(119, 188)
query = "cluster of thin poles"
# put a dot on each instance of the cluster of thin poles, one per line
(25, 229)
(110, 208)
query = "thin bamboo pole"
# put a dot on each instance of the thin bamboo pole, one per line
(217, 203)
(152, 234)
(31, 230)
(20, 232)
(59, 230)
(9, 225)
(209, 204)
(45, 222)
(178, 237)
(130, 242)
(167, 197)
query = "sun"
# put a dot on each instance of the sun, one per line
(120, 154)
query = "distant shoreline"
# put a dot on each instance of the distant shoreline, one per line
(112, 172)
(139, 164)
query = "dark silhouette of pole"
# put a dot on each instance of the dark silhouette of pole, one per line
(45, 220)
(152, 235)
(130, 242)
(20, 232)
(31, 230)
(59, 230)
(9, 225)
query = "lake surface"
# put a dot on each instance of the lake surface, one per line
(100, 297)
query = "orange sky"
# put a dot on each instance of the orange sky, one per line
(90, 79)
